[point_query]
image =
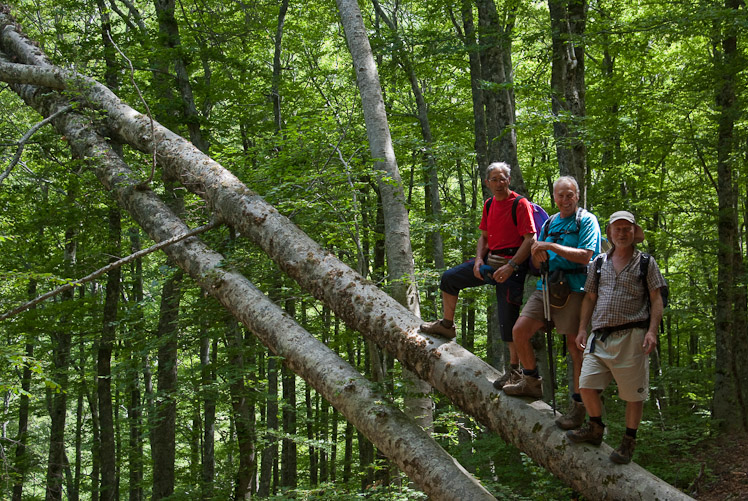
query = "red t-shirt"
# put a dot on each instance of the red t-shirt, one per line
(502, 234)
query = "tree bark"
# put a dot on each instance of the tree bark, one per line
(169, 38)
(731, 375)
(396, 224)
(107, 449)
(498, 95)
(163, 451)
(476, 86)
(568, 21)
(61, 338)
(21, 463)
(244, 423)
(134, 413)
(208, 359)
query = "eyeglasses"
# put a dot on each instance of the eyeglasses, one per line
(498, 179)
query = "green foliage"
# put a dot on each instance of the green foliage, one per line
(651, 137)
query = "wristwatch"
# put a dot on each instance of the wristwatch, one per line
(513, 264)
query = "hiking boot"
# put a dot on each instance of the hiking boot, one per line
(574, 418)
(625, 452)
(436, 327)
(511, 376)
(591, 433)
(527, 386)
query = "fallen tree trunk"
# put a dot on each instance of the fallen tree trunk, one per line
(397, 436)
(448, 367)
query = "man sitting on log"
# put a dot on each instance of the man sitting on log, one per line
(507, 234)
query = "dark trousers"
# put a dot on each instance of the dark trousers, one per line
(508, 294)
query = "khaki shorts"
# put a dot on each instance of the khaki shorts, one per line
(620, 357)
(566, 319)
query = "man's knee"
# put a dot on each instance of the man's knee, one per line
(524, 329)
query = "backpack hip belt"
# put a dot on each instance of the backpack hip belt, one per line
(602, 334)
(509, 251)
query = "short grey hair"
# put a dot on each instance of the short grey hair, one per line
(567, 180)
(498, 165)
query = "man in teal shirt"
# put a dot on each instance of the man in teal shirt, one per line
(568, 242)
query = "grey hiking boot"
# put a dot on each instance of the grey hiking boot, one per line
(591, 433)
(625, 452)
(436, 327)
(511, 376)
(527, 386)
(574, 418)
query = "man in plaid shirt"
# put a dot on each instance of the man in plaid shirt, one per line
(625, 317)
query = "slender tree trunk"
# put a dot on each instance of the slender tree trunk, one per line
(243, 422)
(496, 69)
(208, 360)
(433, 202)
(476, 76)
(397, 227)
(270, 453)
(169, 38)
(21, 463)
(311, 435)
(164, 432)
(134, 413)
(277, 67)
(289, 478)
(107, 449)
(568, 21)
(731, 376)
(61, 341)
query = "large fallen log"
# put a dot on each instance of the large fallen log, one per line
(398, 437)
(448, 367)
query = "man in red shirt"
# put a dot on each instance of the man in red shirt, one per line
(507, 246)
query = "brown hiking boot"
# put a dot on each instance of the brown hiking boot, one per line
(574, 418)
(527, 386)
(511, 376)
(436, 327)
(591, 433)
(625, 452)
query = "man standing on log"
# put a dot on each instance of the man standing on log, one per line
(507, 234)
(623, 299)
(566, 244)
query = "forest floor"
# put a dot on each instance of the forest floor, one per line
(727, 458)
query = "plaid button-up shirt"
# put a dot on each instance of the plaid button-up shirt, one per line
(621, 297)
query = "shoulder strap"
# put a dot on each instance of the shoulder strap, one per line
(514, 208)
(580, 213)
(598, 267)
(644, 270)
(546, 226)
(488, 205)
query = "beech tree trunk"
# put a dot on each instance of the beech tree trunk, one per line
(568, 21)
(61, 338)
(396, 224)
(495, 43)
(458, 374)
(107, 449)
(731, 374)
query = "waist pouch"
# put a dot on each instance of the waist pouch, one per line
(558, 288)
(496, 262)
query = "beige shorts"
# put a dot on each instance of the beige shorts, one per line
(620, 357)
(566, 319)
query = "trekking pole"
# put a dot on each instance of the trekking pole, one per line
(548, 333)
